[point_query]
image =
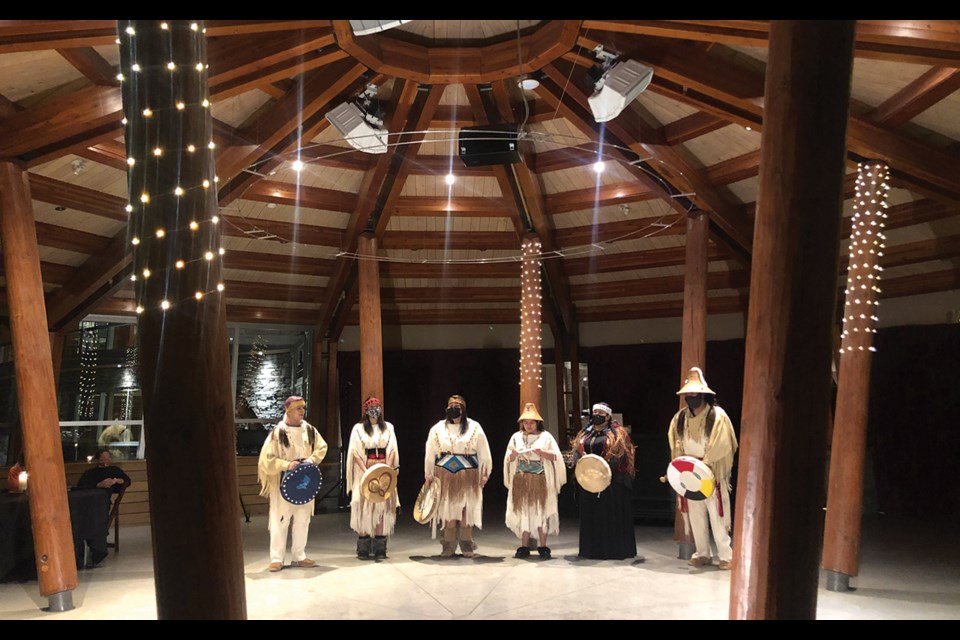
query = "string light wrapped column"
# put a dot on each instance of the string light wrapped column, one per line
(530, 322)
(185, 364)
(841, 542)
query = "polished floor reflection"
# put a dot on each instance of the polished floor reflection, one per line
(908, 571)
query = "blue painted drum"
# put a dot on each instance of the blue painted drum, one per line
(302, 484)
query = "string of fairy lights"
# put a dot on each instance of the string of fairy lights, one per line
(171, 181)
(866, 249)
(531, 302)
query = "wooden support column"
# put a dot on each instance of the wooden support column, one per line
(693, 350)
(36, 391)
(332, 433)
(841, 538)
(185, 364)
(780, 489)
(562, 408)
(530, 322)
(573, 343)
(371, 335)
(317, 385)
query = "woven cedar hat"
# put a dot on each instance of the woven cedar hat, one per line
(695, 383)
(530, 413)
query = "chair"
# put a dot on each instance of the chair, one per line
(114, 520)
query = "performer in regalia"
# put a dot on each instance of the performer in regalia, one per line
(293, 440)
(372, 441)
(458, 455)
(533, 472)
(703, 430)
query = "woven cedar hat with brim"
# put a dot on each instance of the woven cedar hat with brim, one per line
(530, 413)
(695, 383)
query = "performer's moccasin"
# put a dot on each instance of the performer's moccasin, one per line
(725, 564)
(276, 566)
(306, 563)
(700, 561)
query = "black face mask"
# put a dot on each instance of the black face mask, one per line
(694, 402)
(453, 413)
(598, 419)
(374, 413)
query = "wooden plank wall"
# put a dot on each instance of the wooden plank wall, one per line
(135, 508)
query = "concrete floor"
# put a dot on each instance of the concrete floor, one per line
(906, 572)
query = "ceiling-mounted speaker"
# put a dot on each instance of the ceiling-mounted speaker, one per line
(487, 145)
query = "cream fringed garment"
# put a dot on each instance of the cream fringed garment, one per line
(527, 509)
(459, 490)
(717, 451)
(365, 515)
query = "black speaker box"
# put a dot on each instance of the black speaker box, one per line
(487, 145)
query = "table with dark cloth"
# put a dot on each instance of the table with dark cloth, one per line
(89, 510)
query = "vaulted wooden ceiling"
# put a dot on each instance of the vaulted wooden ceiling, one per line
(613, 241)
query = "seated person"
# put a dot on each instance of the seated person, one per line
(103, 476)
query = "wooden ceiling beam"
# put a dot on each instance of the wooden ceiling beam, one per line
(684, 176)
(109, 152)
(736, 279)
(65, 118)
(301, 195)
(446, 240)
(459, 65)
(277, 263)
(314, 94)
(52, 273)
(733, 170)
(528, 190)
(51, 235)
(265, 78)
(476, 207)
(36, 35)
(284, 232)
(927, 90)
(216, 28)
(72, 196)
(659, 309)
(610, 194)
(92, 65)
(691, 127)
(583, 120)
(600, 262)
(746, 33)
(564, 158)
(931, 282)
(239, 55)
(608, 232)
(272, 291)
(420, 114)
(931, 42)
(444, 294)
(912, 160)
(940, 248)
(439, 271)
(97, 279)
(418, 165)
(376, 183)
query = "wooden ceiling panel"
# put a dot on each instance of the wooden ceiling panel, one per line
(619, 235)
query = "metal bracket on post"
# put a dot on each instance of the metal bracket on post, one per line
(61, 601)
(685, 550)
(837, 581)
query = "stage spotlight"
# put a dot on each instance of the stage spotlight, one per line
(617, 87)
(353, 125)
